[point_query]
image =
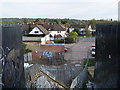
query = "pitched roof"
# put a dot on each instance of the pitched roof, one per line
(27, 28)
(77, 26)
(53, 27)
(43, 29)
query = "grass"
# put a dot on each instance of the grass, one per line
(90, 62)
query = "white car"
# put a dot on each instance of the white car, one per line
(92, 50)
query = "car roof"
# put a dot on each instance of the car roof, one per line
(93, 45)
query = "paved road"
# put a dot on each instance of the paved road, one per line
(79, 50)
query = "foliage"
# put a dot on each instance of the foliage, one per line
(36, 20)
(73, 35)
(93, 23)
(87, 32)
(59, 41)
(67, 24)
(25, 20)
(63, 21)
(56, 21)
(91, 62)
(84, 84)
(24, 49)
(69, 40)
(77, 30)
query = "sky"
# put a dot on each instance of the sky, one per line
(73, 9)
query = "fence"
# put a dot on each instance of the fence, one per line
(82, 78)
(52, 57)
(27, 57)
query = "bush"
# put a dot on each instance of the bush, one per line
(73, 35)
(58, 41)
(91, 62)
(69, 40)
(27, 50)
(24, 49)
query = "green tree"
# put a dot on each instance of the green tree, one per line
(25, 20)
(77, 30)
(93, 23)
(56, 21)
(74, 35)
(68, 25)
(36, 20)
(87, 32)
(63, 21)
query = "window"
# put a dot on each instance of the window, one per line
(58, 31)
(36, 32)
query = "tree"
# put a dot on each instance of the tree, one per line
(37, 20)
(74, 35)
(77, 30)
(87, 32)
(63, 21)
(25, 20)
(93, 23)
(56, 21)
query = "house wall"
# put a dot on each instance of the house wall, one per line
(36, 30)
(71, 29)
(62, 33)
(44, 39)
(26, 38)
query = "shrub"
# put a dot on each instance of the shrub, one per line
(90, 62)
(58, 41)
(69, 40)
(24, 49)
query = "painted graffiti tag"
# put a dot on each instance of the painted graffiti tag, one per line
(47, 53)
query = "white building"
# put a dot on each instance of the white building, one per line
(36, 33)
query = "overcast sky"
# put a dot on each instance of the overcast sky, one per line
(74, 9)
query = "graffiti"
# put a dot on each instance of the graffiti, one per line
(9, 69)
(47, 54)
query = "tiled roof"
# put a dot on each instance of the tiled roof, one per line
(53, 27)
(43, 29)
(27, 28)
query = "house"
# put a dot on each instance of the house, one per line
(92, 31)
(81, 28)
(57, 31)
(43, 32)
(35, 33)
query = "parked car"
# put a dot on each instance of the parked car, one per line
(65, 49)
(92, 50)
